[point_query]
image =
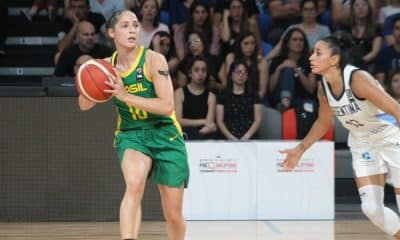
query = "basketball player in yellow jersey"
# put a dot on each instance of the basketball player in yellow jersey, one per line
(149, 139)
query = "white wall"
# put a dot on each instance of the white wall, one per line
(245, 180)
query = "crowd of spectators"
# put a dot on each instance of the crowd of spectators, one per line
(229, 57)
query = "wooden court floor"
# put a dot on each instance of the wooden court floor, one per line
(359, 229)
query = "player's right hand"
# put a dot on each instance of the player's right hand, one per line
(293, 156)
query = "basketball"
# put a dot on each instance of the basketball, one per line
(90, 80)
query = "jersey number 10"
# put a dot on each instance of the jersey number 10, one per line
(138, 114)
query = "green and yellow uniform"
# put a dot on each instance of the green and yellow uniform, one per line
(157, 136)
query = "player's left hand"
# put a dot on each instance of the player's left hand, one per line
(115, 81)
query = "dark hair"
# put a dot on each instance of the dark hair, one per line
(389, 80)
(191, 62)
(340, 43)
(284, 52)
(206, 28)
(156, 20)
(110, 23)
(244, 20)
(86, 2)
(395, 19)
(370, 24)
(303, 2)
(203, 41)
(171, 53)
(248, 87)
(238, 48)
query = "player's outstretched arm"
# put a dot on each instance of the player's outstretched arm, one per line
(84, 103)
(319, 128)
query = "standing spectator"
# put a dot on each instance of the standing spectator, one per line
(239, 108)
(163, 43)
(389, 57)
(149, 18)
(393, 84)
(246, 49)
(77, 11)
(200, 21)
(3, 26)
(38, 5)
(291, 82)
(86, 45)
(195, 104)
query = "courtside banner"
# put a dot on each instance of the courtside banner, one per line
(222, 182)
(307, 192)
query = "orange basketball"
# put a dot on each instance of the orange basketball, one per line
(90, 80)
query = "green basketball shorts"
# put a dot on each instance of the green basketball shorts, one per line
(165, 146)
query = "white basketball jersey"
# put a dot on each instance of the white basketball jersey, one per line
(363, 119)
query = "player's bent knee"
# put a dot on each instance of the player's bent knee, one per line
(372, 210)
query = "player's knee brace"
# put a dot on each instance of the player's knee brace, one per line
(373, 207)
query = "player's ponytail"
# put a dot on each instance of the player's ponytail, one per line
(340, 44)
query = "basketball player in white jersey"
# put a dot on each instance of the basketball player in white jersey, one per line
(370, 115)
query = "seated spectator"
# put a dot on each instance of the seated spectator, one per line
(341, 10)
(196, 46)
(163, 43)
(393, 84)
(309, 25)
(251, 10)
(389, 9)
(149, 18)
(75, 12)
(291, 82)
(3, 27)
(106, 7)
(195, 104)
(38, 5)
(246, 49)
(199, 21)
(86, 45)
(81, 60)
(239, 109)
(134, 5)
(386, 15)
(389, 57)
(366, 34)
(235, 20)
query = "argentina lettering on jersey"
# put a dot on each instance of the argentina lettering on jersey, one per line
(348, 109)
(359, 116)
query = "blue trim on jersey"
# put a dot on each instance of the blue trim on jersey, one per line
(387, 117)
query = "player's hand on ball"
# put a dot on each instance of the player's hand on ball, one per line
(118, 88)
(293, 156)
